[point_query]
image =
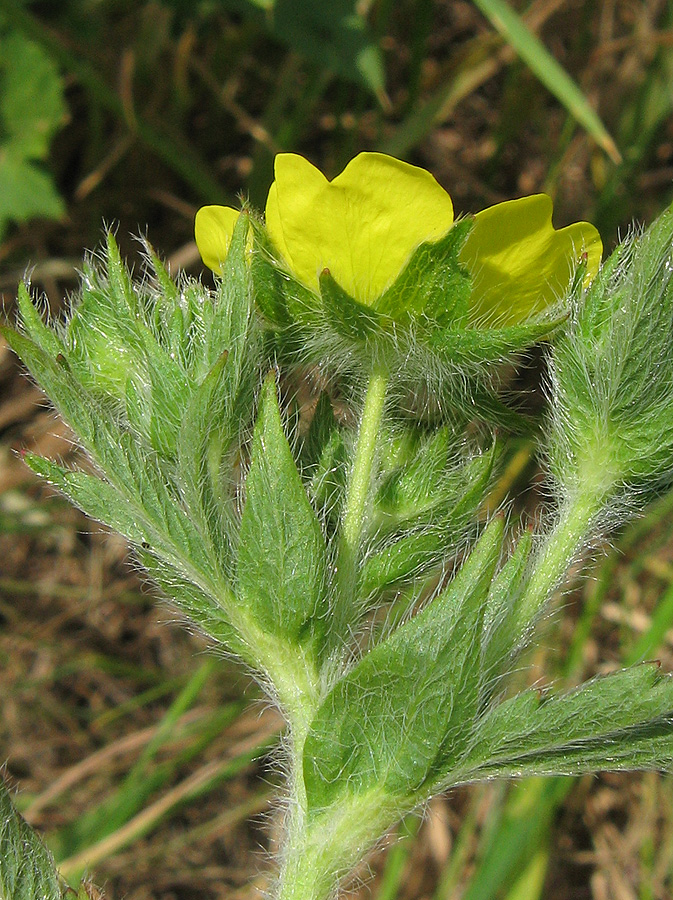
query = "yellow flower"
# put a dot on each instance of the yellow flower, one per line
(519, 263)
(213, 228)
(365, 224)
(362, 226)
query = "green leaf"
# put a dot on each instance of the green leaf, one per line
(618, 721)
(27, 870)
(500, 636)
(197, 605)
(319, 433)
(328, 479)
(282, 574)
(433, 288)
(413, 487)
(383, 724)
(95, 497)
(32, 107)
(31, 320)
(408, 558)
(423, 511)
(55, 378)
(102, 336)
(26, 191)
(208, 429)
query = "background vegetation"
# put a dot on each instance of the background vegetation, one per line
(137, 754)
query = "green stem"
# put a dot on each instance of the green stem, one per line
(360, 479)
(320, 851)
(560, 549)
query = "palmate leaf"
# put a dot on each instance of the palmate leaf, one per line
(383, 724)
(27, 870)
(618, 721)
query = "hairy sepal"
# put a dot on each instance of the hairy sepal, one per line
(434, 288)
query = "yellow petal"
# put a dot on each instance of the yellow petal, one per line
(213, 228)
(519, 263)
(362, 226)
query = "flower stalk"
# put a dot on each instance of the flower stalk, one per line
(358, 490)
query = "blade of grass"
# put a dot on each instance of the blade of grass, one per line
(529, 812)
(472, 65)
(140, 782)
(552, 75)
(97, 761)
(662, 620)
(398, 858)
(450, 876)
(201, 781)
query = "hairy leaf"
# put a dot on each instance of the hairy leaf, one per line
(27, 870)
(618, 721)
(385, 721)
(281, 574)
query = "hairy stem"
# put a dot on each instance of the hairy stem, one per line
(574, 526)
(320, 851)
(360, 479)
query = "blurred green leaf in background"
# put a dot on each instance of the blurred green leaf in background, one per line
(32, 109)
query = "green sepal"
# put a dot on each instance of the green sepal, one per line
(613, 722)
(476, 347)
(384, 722)
(434, 287)
(346, 316)
(282, 565)
(283, 301)
(27, 868)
